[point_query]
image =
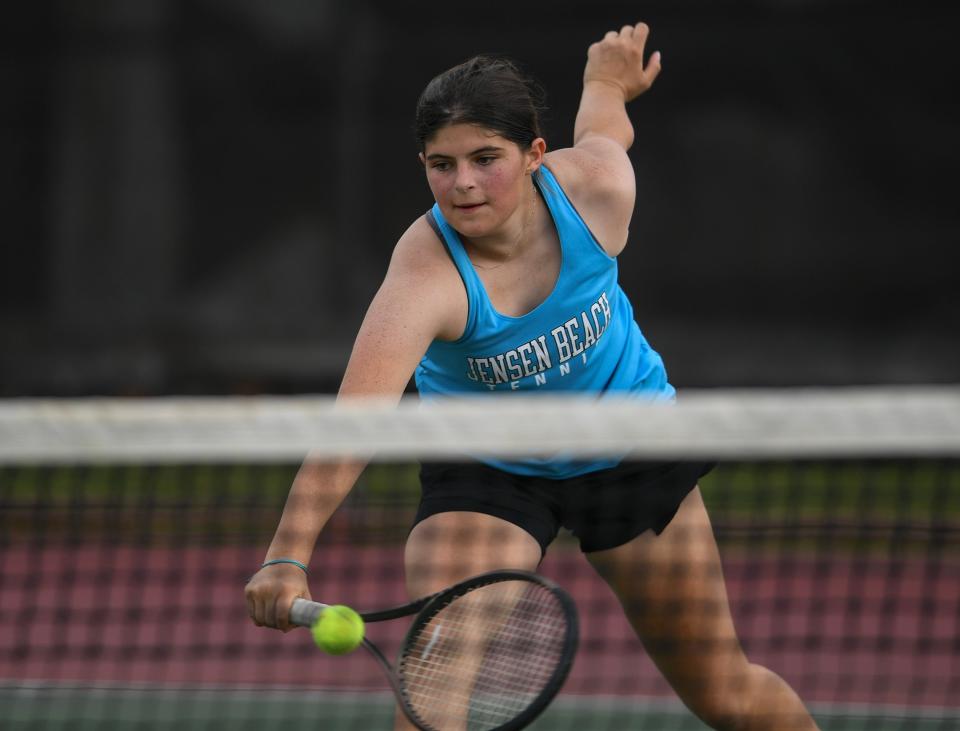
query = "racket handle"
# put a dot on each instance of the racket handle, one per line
(304, 613)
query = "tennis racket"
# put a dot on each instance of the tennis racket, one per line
(488, 653)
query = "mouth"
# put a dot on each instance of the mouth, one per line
(468, 208)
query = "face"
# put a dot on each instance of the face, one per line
(478, 177)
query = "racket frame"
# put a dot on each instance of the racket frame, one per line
(304, 613)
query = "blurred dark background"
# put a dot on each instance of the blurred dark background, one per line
(202, 196)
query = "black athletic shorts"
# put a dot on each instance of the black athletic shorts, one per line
(603, 509)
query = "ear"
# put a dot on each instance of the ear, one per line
(423, 160)
(534, 155)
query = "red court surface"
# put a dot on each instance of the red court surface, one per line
(841, 629)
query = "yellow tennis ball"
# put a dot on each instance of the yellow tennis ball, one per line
(338, 630)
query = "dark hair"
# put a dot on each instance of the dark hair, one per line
(486, 91)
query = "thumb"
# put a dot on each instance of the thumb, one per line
(654, 65)
(303, 595)
(284, 603)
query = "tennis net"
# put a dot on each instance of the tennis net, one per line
(128, 529)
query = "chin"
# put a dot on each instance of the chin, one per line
(473, 229)
(470, 225)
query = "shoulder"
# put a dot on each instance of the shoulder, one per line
(419, 249)
(415, 304)
(597, 176)
(422, 271)
(596, 166)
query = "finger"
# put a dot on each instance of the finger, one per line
(270, 613)
(653, 67)
(610, 35)
(626, 31)
(640, 34)
(283, 613)
(251, 609)
(259, 612)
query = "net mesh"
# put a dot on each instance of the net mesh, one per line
(122, 573)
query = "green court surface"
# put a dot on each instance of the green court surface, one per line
(221, 504)
(80, 709)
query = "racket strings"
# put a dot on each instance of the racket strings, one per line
(486, 657)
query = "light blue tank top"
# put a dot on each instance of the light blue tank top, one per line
(581, 338)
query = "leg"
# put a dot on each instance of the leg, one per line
(672, 589)
(449, 547)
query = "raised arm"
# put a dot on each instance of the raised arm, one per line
(614, 75)
(416, 303)
(596, 172)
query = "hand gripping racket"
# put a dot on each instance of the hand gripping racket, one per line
(486, 654)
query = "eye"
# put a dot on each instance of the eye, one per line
(440, 165)
(485, 159)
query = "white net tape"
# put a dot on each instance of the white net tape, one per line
(908, 421)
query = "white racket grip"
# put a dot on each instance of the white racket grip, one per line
(304, 612)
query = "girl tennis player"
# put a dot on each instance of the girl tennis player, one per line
(510, 283)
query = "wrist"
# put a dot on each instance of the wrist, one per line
(602, 85)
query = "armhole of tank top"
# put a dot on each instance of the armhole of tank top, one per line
(550, 181)
(471, 304)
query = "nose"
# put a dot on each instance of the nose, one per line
(464, 180)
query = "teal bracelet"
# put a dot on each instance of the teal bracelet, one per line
(285, 560)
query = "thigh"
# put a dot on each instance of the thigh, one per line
(448, 547)
(672, 589)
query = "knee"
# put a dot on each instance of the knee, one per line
(751, 698)
(722, 714)
(722, 703)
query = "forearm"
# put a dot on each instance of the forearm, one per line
(603, 112)
(317, 491)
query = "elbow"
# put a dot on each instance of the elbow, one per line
(622, 136)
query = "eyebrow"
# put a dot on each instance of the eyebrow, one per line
(478, 151)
